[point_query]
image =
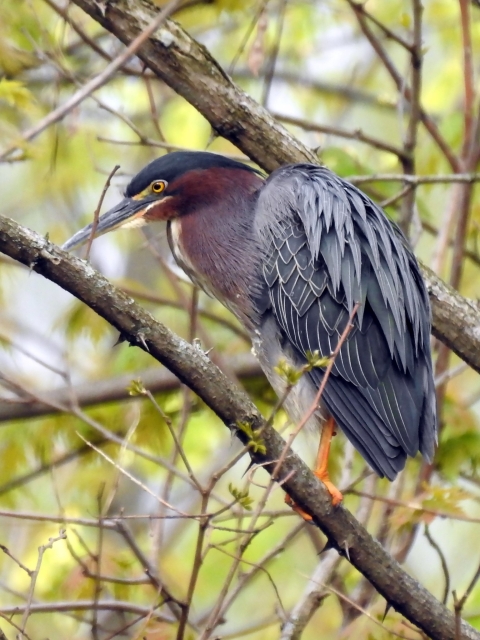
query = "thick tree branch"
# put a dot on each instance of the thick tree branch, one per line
(195, 369)
(189, 69)
(456, 320)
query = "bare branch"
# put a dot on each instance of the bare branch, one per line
(82, 605)
(96, 213)
(34, 575)
(88, 394)
(468, 178)
(194, 368)
(189, 69)
(443, 562)
(312, 597)
(459, 604)
(403, 89)
(98, 81)
(416, 59)
(342, 133)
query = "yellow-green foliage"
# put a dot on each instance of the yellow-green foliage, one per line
(54, 350)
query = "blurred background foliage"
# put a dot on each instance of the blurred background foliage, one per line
(306, 60)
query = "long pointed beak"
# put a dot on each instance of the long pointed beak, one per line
(125, 211)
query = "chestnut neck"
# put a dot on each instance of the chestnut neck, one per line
(213, 239)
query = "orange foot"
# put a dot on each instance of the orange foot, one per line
(337, 495)
(307, 517)
(321, 470)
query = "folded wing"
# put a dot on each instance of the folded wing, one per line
(327, 246)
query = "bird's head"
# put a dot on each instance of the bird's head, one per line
(169, 187)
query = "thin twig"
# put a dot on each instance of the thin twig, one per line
(97, 82)
(391, 35)
(208, 315)
(153, 109)
(82, 605)
(96, 213)
(415, 506)
(174, 604)
(248, 32)
(197, 563)
(176, 439)
(448, 375)
(270, 72)
(222, 607)
(315, 404)
(34, 575)
(341, 595)
(399, 82)
(443, 562)
(178, 451)
(98, 564)
(258, 567)
(130, 476)
(416, 59)
(468, 178)
(397, 196)
(168, 146)
(64, 14)
(357, 134)
(458, 604)
(8, 553)
(468, 75)
(15, 626)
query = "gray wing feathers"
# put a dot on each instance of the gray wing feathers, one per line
(327, 246)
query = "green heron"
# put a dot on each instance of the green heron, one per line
(292, 257)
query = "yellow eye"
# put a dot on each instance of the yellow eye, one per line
(158, 186)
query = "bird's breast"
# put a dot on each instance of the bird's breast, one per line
(192, 270)
(174, 233)
(177, 247)
(218, 260)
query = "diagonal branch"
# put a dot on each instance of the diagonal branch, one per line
(98, 81)
(190, 70)
(455, 319)
(194, 368)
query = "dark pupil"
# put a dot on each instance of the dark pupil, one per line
(157, 186)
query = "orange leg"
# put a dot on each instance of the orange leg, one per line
(321, 469)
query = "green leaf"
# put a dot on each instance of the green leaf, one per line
(314, 359)
(288, 373)
(136, 388)
(255, 442)
(241, 497)
(405, 20)
(14, 93)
